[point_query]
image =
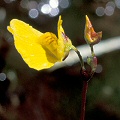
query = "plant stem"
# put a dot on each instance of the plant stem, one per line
(84, 91)
(92, 50)
(81, 59)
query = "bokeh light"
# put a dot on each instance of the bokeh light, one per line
(2, 76)
(117, 2)
(54, 12)
(111, 3)
(33, 13)
(45, 9)
(100, 11)
(32, 5)
(11, 75)
(54, 3)
(99, 68)
(109, 10)
(107, 90)
(51, 8)
(9, 1)
(110, 7)
(64, 3)
(2, 14)
(24, 3)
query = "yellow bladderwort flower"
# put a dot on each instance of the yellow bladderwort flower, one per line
(90, 35)
(40, 50)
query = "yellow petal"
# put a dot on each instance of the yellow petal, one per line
(64, 43)
(23, 30)
(34, 55)
(10, 29)
(49, 42)
(60, 28)
(26, 42)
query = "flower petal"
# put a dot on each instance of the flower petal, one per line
(60, 28)
(21, 29)
(49, 41)
(26, 42)
(64, 43)
(34, 54)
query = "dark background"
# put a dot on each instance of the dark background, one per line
(27, 94)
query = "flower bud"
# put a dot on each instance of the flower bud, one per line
(90, 35)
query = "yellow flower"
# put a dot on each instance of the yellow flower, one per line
(39, 50)
(90, 35)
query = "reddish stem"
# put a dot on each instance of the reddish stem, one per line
(84, 91)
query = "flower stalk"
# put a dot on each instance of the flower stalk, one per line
(92, 51)
(81, 59)
(83, 105)
(91, 38)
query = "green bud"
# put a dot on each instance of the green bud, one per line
(92, 61)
